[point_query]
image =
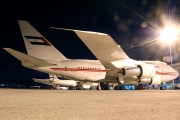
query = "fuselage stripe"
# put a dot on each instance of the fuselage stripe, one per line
(167, 73)
(76, 69)
(98, 70)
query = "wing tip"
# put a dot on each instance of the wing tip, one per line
(90, 32)
(7, 49)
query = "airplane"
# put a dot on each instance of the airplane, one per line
(55, 82)
(112, 66)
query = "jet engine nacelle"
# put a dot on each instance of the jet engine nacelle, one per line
(156, 80)
(145, 80)
(144, 71)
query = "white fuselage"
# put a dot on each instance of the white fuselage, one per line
(93, 70)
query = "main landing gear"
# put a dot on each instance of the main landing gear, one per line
(102, 86)
(119, 88)
(162, 86)
(120, 81)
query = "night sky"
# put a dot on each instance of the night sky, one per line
(122, 19)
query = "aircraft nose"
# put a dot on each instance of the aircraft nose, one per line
(176, 73)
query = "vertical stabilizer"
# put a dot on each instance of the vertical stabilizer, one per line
(37, 45)
(53, 77)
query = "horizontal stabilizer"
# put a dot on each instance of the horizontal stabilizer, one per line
(28, 60)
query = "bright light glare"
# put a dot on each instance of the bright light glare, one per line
(169, 34)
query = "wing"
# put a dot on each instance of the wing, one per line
(101, 45)
(104, 48)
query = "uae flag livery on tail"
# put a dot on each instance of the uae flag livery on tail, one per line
(37, 40)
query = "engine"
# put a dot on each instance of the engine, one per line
(156, 80)
(145, 80)
(144, 71)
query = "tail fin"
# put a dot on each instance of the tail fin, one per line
(36, 45)
(53, 78)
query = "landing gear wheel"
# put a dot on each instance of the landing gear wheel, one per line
(162, 88)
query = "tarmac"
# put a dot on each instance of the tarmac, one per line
(31, 104)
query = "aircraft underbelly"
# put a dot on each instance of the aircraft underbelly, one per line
(81, 75)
